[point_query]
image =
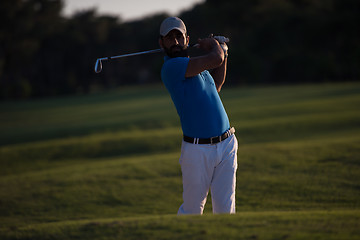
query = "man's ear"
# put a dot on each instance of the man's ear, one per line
(161, 42)
(187, 40)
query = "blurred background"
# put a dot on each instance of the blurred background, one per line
(49, 47)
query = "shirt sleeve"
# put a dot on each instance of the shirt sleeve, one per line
(173, 71)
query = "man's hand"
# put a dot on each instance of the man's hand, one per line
(215, 59)
(219, 73)
(223, 40)
(211, 60)
(207, 44)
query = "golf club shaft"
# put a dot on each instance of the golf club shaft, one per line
(132, 54)
(98, 64)
(139, 53)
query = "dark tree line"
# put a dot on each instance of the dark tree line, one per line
(272, 41)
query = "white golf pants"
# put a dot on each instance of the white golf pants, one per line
(207, 166)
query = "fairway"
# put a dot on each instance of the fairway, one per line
(105, 166)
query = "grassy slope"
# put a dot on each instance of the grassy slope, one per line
(330, 225)
(107, 165)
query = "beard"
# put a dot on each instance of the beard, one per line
(177, 51)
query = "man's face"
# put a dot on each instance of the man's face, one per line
(175, 44)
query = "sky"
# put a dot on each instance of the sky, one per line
(129, 9)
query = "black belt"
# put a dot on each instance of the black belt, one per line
(211, 140)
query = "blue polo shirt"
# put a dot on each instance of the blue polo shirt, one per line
(196, 99)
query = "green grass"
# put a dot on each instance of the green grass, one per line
(329, 225)
(106, 166)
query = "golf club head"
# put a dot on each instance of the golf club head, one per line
(98, 66)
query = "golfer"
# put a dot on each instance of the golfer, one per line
(209, 148)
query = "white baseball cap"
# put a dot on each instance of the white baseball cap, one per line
(172, 23)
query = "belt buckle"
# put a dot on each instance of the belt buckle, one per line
(212, 140)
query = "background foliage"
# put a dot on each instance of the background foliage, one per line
(272, 41)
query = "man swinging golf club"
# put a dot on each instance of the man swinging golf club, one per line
(209, 148)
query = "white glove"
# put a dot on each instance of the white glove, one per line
(223, 40)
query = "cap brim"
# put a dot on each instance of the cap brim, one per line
(169, 30)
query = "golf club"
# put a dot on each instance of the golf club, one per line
(98, 64)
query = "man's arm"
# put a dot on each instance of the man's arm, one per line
(212, 60)
(219, 75)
